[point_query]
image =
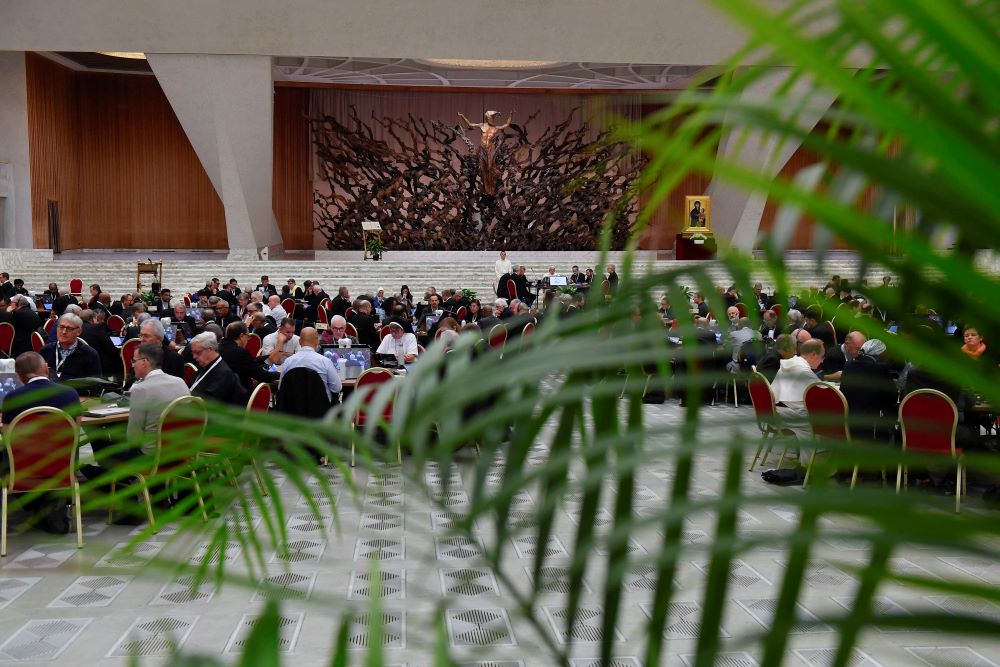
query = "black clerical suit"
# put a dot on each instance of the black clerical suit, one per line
(218, 382)
(247, 368)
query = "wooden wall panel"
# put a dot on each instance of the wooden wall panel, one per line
(111, 145)
(52, 143)
(292, 194)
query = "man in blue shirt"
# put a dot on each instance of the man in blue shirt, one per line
(309, 357)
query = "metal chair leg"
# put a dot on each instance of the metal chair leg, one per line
(3, 527)
(854, 478)
(958, 489)
(78, 515)
(805, 482)
(201, 501)
(111, 507)
(149, 504)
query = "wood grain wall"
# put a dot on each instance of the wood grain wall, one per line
(292, 194)
(109, 148)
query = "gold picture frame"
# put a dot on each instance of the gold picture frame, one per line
(700, 222)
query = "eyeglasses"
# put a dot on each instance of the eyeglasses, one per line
(66, 327)
(137, 359)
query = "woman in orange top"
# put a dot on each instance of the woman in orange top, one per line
(974, 345)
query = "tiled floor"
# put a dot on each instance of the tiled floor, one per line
(97, 606)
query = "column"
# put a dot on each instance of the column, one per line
(226, 106)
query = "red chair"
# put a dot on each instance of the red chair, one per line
(762, 399)
(254, 343)
(348, 313)
(528, 329)
(187, 300)
(367, 384)
(383, 332)
(289, 306)
(41, 448)
(833, 332)
(190, 370)
(351, 330)
(76, 287)
(6, 338)
(511, 289)
(37, 341)
(321, 316)
(49, 323)
(260, 401)
(826, 409)
(777, 309)
(437, 334)
(606, 287)
(182, 424)
(116, 324)
(742, 309)
(128, 350)
(420, 349)
(498, 336)
(928, 420)
(325, 304)
(461, 314)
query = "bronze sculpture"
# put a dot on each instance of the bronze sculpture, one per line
(492, 135)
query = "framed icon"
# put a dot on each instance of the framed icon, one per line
(698, 214)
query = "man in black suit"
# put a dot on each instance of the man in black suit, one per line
(340, 303)
(266, 288)
(612, 277)
(21, 314)
(215, 380)
(314, 296)
(366, 325)
(259, 325)
(6, 288)
(64, 299)
(98, 336)
(162, 307)
(152, 333)
(487, 321)
(233, 353)
(70, 357)
(577, 277)
(521, 283)
(817, 328)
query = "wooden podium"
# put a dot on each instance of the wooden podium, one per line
(148, 268)
(687, 248)
(369, 227)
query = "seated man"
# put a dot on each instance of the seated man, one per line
(366, 324)
(399, 343)
(233, 351)
(151, 393)
(259, 325)
(274, 308)
(215, 380)
(282, 344)
(769, 364)
(37, 391)
(336, 332)
(817, 328)
(151, 333)
(743, 334)
(266, 288)
(308, 357)
(70, 357)
(98, 336)
(839, 356)
(794, 376)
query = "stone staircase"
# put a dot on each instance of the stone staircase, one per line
(442, 270)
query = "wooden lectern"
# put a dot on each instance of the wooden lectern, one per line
(148, 268)
(369, 227)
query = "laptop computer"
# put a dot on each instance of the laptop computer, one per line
(8, 381)
(356, 359)
(557, 281)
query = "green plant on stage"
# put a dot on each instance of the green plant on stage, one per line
(916, 89)
(376, 248)
(469, 294)
(566, 289)
(149, 297)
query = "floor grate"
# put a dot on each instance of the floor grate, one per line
(555, 579)
(393, 631)
(43, 557)
(458, 548)
(762, 611)
(121, 556)
(393, 585)
(154, 636)
(43, 639)
(183, 591)
(285, 586)
(380, 548)
(734, 659)
(381, 521)
(683, 620)
(470, 582)
(527, 547)
(587, 627)
(480, 627)
(949, 656)
(299, 551)
(288, 632)
(615, 662)
(11, 588)
(821, 657)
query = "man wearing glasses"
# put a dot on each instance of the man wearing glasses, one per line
(152, 391)
(69, 357)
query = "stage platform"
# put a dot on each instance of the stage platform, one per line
(188, 271)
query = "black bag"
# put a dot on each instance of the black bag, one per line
(784, 476)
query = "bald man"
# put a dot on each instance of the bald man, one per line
(309, 357)
(839, 356)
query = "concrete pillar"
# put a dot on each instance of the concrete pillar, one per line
(15, 166)
(226, 107)
(736, 213)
